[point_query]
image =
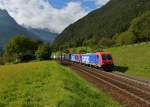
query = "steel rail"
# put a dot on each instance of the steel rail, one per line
(131, 92)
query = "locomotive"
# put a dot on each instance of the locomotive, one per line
(98, 60)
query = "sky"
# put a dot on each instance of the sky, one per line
(54, 15)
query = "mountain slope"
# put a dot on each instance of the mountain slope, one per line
(43, 34)
(9, 28)
(113, 18)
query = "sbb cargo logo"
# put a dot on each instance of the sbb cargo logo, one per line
(85, 59)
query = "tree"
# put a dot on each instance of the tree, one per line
(115, 17)
(43, 52)
(141, 27)
(20, 48)
(124, 38)
(91, 42)
(105, 42)
(1, 60)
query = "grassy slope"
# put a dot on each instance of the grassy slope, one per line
(134, 57)
(40, 84)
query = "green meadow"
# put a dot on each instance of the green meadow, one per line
(132, 59)
(48, 84)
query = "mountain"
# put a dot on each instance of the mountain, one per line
(9, 28)
(111, 19)
(43, 34)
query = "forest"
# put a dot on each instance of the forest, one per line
(119, 22)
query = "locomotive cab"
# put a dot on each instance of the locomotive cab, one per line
(106, 60)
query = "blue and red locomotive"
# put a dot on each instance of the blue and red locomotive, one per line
(99, 59)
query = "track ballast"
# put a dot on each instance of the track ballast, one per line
(128, 91)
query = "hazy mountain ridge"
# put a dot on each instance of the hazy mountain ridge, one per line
(9, 28)
(43, 34)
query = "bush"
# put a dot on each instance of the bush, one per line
(124, 38)
(1, 61)
(141, 27)
(105, 42)
(91, 42)
(43, 52)
(20, 48)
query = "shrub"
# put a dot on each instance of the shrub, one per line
(43, 52)
(91, 42)
(105, 42)
(1, 61)
(141, 27)
(124, 38)
(19, 48)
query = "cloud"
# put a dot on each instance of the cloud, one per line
(101, 2)
(98, 3)
(41, 14)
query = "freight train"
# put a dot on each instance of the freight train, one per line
(98, 60)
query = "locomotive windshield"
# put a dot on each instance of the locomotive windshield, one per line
(109, 57)
(106, 56)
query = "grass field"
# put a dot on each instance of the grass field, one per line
(47, 84)
(133, 59)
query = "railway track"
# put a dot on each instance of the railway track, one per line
(129, 91)
(127, 79)
(139, 80)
